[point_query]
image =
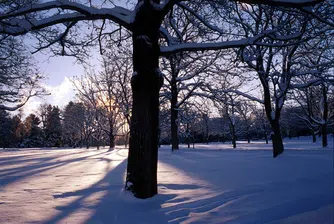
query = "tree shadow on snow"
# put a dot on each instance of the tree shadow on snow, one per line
(37, 165)
(176, 202)
(116, 206)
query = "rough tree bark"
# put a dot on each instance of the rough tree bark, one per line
(111, 134)
(111, 140)
(188, 134)
(325, 117)
(146, 82)
(174, 116)
(266, 136)
(273, 117)
(278, 147)
(314, 138)
(234, 138)
(207, 131)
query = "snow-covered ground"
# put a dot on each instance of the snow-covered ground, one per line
(209, 184)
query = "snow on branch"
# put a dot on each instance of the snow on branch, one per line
(200, 18)
(315, 15)
(286, 3)
(244, 95)
(313, 82)
(20, 104)
(12, 23)
(216, 94)
(168, 50)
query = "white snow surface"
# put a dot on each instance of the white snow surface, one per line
(209, 184)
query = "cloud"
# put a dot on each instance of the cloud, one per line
(60, 96)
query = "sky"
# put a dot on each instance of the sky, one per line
(58, 72)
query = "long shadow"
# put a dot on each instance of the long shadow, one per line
(305, 194)
(115, 206)
(11, 175)
(26, 158)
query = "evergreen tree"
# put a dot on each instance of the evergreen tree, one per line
(53, 129)
(18, 131)
(34, 137)
(6, 136)
(73, 123)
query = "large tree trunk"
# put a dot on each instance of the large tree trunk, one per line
(111, 135)
(174, 116)
(126, 139)
(207, 132)
(273, 118)
(314, 137)
(234, 138)
(188, 135)
(278, 147)
(173, 102)
(146, 82)
(324, 135)
(174, 128)
(325, 117)
(87, 144)
(266, 137)
(111, 140)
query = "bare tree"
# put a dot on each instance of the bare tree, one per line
(245, 110)
(261, 122)
(316, 109)
(114, 84)
(57, 23)
(184, 75)
(19, 78)
(275, 61)
(312, 90)
(107, 93)
(87, 94)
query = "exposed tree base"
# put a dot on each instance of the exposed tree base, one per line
(277, 152)
(314, 138)
(278, 147)
(324, 136)
(141, 177)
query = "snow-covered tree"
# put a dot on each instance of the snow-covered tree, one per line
(107, 95)
(19, 78)
(184, 75)
(261, 123)
(245, 109)
(312, 90)
(114, 93)
(317, 109)
(57, 23)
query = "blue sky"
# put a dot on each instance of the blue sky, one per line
(58, 71)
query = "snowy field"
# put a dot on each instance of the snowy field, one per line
(209, 184)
